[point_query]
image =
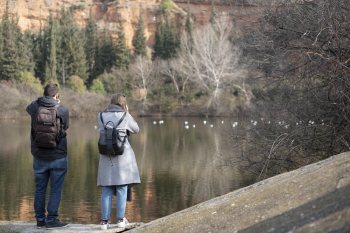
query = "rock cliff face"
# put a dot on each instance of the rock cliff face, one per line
(32, 14)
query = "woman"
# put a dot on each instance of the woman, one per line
(116, 173)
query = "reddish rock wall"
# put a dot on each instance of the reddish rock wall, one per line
(33, 13)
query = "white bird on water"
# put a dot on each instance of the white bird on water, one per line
(154, 122)
(205, 122)
(187, 127)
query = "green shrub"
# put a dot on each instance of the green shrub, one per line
(28, 79)
(167, 6)
(110, 82)
(78, 7)
(168, 105)
(76, 84)
(98, 87)
(116, 81)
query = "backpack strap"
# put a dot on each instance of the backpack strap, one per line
(60, 126)
(120, 121)
(102, 119)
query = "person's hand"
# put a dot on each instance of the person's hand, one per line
(57, 98)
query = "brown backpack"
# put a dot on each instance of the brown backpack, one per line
(46, 127)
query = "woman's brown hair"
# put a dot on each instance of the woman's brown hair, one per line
(119, 99)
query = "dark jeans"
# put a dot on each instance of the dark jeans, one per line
(45, 171)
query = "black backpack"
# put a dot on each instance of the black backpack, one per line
(111, 141)
(46, 127)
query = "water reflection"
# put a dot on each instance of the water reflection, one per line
(179, 168)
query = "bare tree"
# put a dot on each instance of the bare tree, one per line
(212, 61)
(303, 49)
(172, 69)
(142, 69)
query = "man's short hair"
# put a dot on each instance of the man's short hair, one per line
(51, 89)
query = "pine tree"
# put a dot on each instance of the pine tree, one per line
(159, 40)
(106, 54)
(39, 57)
(51, 50)
(9, 59)
(91, 47)
(167, 40)
(15, 53)
(213, 15)
(122, 50)
(78, 62)
(66, 31)
(1, 40)
(71, 54)
(174, 40)
(188, 28)
(25, 47)
(98, 66)
(139, 39)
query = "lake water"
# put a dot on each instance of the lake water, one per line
(179, 168)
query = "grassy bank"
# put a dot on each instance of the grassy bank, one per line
(14, 97)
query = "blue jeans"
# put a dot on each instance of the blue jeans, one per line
(45, 171)
(106, 201)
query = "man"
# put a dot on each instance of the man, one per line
(49, 150)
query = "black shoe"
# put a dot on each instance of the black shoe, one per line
(40, 224)
(56, 224)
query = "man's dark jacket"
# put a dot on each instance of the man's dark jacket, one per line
(61, 149)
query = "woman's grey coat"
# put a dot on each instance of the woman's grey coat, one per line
(120, 169)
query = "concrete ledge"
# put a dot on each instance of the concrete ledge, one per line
(315, 198)
(30, 227)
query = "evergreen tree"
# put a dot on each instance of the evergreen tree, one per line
(188, 28)
(213, 14)
(122, 50)
(1, 41)
(38, 50)
(66, 31)
(167, 40)
(139, 39)
(174, 40)
(105, 54)
(91, 47)
(51, 50)
(98, 67)
(78, 62)
(25, 47)
(8, 60)
(15, 54)
(159, 41)
(71, 54)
